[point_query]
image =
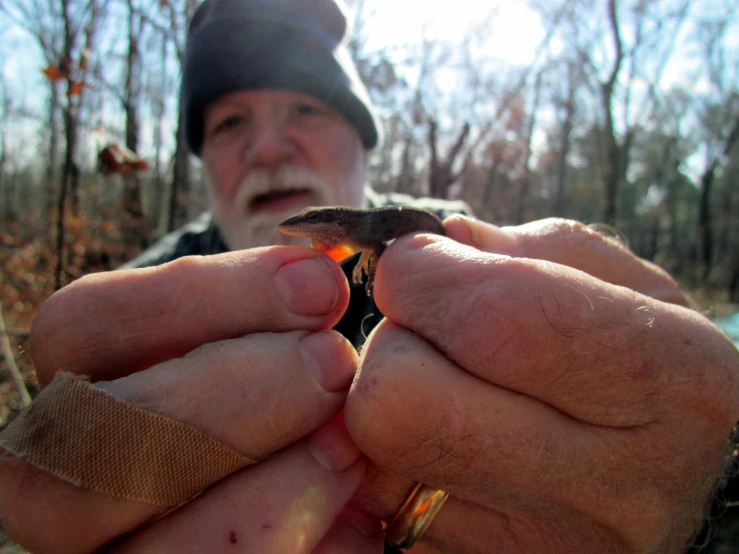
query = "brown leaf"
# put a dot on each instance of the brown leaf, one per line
(53, 73)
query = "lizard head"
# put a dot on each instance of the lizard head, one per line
(326, 227)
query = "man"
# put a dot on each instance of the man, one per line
(547, 379)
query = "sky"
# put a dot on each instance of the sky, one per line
(387, 22)
(515, 30)
(512, 34)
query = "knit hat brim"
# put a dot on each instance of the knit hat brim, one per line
(243, 53)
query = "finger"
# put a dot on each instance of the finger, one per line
(353, 531)
(23, 489)
(414, 412)
(572, 244)
(597, 352)
(286, 504)
(460, 526)
(383, 492)
(428, 424)
(237, 390)
(240, 399)
(113, 324)
(463, 527)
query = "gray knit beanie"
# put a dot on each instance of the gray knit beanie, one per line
(296, 45)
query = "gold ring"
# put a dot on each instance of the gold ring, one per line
(415, 516)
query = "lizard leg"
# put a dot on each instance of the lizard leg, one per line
(372, 266)
(363, 265)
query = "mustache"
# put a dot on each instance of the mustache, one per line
(261, 183)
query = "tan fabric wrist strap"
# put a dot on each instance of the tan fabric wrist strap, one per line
(94, 440)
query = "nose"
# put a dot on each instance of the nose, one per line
(269, 145)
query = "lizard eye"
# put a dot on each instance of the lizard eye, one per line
(315, 217)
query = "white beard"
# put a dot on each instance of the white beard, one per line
(258, 230)
(242, 227)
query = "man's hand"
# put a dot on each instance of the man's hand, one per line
(238, 346)
(549, 381)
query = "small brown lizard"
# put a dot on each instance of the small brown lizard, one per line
(340, 231)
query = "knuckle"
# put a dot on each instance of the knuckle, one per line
(568, 233)
(56, 322)
(724, 394)
(709, 388)
(577, 233)
(45, 326)
(562, 226)
(182, 265)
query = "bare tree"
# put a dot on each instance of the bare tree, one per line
(720, 122)
(172, 21)
(441, 171)
(135, 227)
(65, 31)
(614, 151)
(42, 20)
(180, 189)
(566, 77)
(79, 40)
(523, 197)
(158, 99)
(641, 38)
(6, 189)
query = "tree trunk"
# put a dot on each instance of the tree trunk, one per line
(405, 179)
(734, 282)
(673, 255)
(489, 204)
(70, 179)
(52, 169)
(69, 184)
(613, 165)
(179, 193)
(156, 207)
(135, 228)
(159, 109)
(560, 194)
(441, 176)
(523, 197)
(612, 160)
(705, 223)
(68, 176)
(705, 227)
(5, 186)
(69, 137)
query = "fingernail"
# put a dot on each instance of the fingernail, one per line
(489, 237)
(366, 524)
(332, 446)
(330, 358)
(307, 287)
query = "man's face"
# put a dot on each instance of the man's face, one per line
(269, 154)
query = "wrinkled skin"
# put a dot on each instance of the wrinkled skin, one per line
(549, 380)
(563, 410)
(255, 367)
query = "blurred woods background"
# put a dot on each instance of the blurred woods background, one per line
(616, 111)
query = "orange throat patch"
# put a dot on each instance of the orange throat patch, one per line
(337, 252)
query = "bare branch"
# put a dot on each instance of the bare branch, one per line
(617, 43)
(455, 149)
(732, 138)
(432, 142)
(506, 104)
